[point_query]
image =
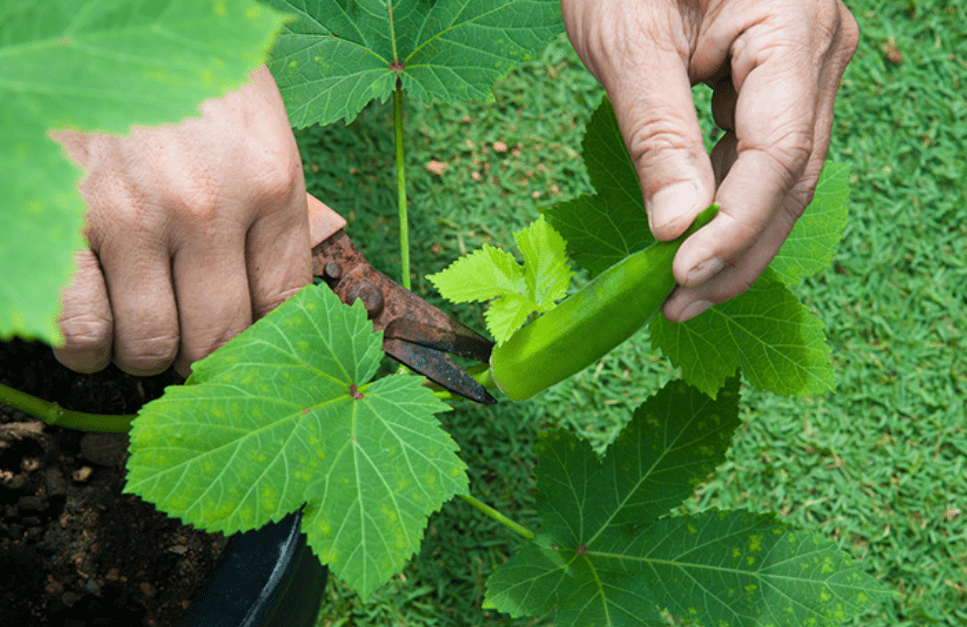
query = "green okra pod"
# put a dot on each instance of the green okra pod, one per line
(588, 324)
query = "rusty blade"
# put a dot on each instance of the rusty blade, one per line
(457, 339)
(403, 316)
(438, 367)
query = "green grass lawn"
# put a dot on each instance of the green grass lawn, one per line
(879, 465)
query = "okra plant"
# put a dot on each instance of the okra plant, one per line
(290, 414)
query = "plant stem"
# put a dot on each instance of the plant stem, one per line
(54, 414)
(517, 528)
(401, 186)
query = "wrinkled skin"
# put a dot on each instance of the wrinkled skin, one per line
(774, 66)
(194, 231)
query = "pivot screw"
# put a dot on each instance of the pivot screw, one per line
(371, 296)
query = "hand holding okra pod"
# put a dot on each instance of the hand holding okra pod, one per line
(775, 67)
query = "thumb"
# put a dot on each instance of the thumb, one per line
(656, 115)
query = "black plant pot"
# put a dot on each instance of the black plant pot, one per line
(267, 578)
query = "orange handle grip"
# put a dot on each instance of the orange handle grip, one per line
(323, 221)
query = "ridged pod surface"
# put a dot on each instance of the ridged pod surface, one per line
(590, 323)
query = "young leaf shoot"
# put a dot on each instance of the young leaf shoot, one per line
(518, 291)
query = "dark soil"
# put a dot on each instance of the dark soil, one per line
(74, 551)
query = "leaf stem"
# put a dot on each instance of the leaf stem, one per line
(401, 186)
(517, 528)
(54, 414)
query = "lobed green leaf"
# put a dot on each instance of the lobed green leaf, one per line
(284, 415)
(337, 56)
(674, 440)
(777, 342)
(609, 555)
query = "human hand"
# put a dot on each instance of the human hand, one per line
(774, 67)
(194, 230)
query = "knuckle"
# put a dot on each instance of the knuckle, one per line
(787, 151)
(655, 139)
(193, 200)
(280, 181)
(849, 33)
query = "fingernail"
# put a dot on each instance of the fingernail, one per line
(703, 272)
(695, 309)
(670, 204)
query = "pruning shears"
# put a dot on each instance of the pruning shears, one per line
(415, 332)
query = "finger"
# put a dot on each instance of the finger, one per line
(731, 279)
(663, 137)
(86, 321)
(278, 255)
(212, 292)
(138, 278)
(774, 124)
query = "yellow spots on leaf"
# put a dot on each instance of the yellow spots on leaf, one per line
(225, 511)
(691, 528)
(750, 560)
(253, 12)
(736, 553)
(221, 9)
(755, 543)
(179, 504)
